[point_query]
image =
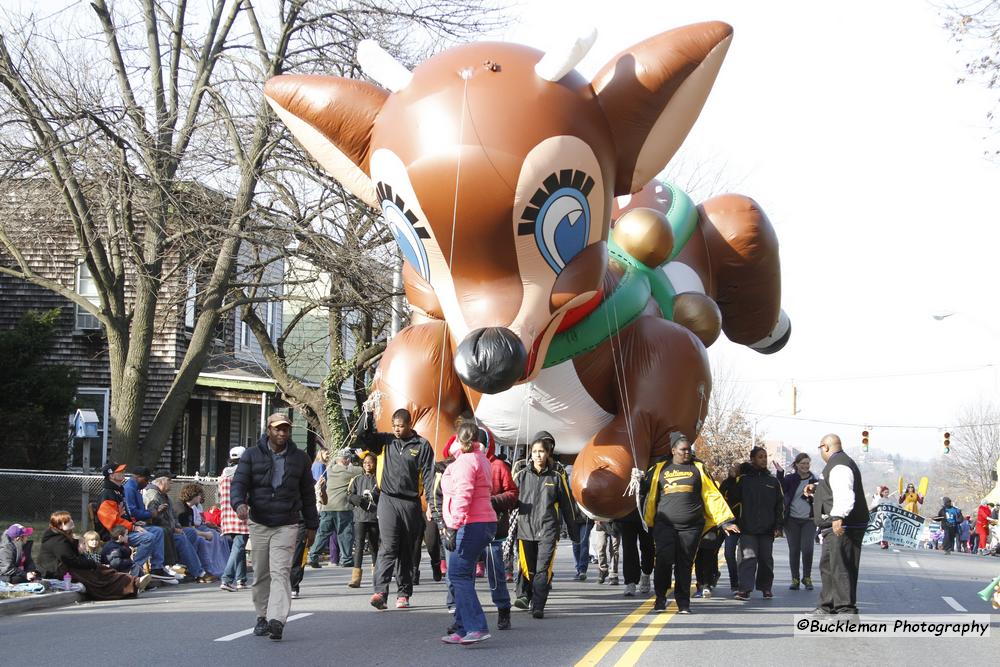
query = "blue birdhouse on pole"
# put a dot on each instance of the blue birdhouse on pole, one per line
(85, 424)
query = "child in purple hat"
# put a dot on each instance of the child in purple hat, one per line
(16, 565)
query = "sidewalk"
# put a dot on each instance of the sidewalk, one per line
(21, 605)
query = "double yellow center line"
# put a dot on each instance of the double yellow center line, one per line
(639, 646)
(641, 643)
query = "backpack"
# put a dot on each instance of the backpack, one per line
(95, 522)
(952, 515)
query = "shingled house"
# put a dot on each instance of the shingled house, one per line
(234, 389)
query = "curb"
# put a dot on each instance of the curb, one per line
(23, 605)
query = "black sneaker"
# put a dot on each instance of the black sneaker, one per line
(315, 564)
(538, 613)
(602, 577)
(262, 629)
(503, 619)
(660, 604)
(275, 628)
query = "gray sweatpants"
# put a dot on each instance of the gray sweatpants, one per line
(757, 564)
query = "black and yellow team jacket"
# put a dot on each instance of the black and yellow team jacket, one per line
(715, 508)
(405, 466)
(542, 498)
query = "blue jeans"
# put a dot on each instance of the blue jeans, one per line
(581, 549)
(148, 546)
(470, 541)
(188, 555)
(327, 528)
(236, 567)
(496, 574)
(343, 523)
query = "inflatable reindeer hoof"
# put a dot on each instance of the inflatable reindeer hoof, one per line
(646, 235)
(700, 315)
(778, 337)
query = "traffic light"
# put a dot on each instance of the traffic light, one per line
(864, 441)
(947, 442)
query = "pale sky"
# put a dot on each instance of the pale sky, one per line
(845, 122)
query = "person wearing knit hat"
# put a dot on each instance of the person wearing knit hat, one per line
(544, 502)
(16, 565)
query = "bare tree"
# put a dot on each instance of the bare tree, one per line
(975, 27)
(966, 470)
(340, 277)
(726, 436)
(129, 107)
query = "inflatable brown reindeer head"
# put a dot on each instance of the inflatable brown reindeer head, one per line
(495, 166)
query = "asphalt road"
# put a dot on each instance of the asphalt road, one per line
(585, 624)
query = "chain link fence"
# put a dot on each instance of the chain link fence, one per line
(29, 497)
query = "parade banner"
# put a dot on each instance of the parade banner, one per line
(893, 524)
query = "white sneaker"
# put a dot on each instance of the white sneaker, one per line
(644, 584)
(629, 590)
(706, 593)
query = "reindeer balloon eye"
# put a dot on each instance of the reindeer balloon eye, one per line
(559, 217)
(405, 228)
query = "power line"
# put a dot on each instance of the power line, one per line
(936, 427)
(852, 378)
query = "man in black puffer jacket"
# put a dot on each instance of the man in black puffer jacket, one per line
(273, 486)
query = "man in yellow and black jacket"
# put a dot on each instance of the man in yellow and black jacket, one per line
(405, 472)
(682, 502)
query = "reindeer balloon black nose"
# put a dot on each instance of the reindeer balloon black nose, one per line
(498, 168)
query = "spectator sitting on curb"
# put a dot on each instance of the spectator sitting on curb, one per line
(91, 546)
(212, 549)
(60, 554)
(16, 565)
(116, 553)
(157, 495)
(113, 511)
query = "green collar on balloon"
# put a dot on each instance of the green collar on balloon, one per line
(624, 305)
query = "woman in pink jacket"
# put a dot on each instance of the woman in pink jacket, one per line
(470, 524)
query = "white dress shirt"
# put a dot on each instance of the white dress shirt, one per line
(842, 484)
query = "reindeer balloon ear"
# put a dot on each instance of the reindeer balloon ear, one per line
(653, 92)
(332, 118)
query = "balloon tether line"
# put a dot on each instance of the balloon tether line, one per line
(466, 75)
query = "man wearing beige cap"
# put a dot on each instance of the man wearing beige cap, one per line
(273, 487)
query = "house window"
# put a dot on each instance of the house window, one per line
(87, 288)
(244, 334)
(189, 301)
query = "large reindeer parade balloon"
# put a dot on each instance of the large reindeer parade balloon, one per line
(553, 283)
